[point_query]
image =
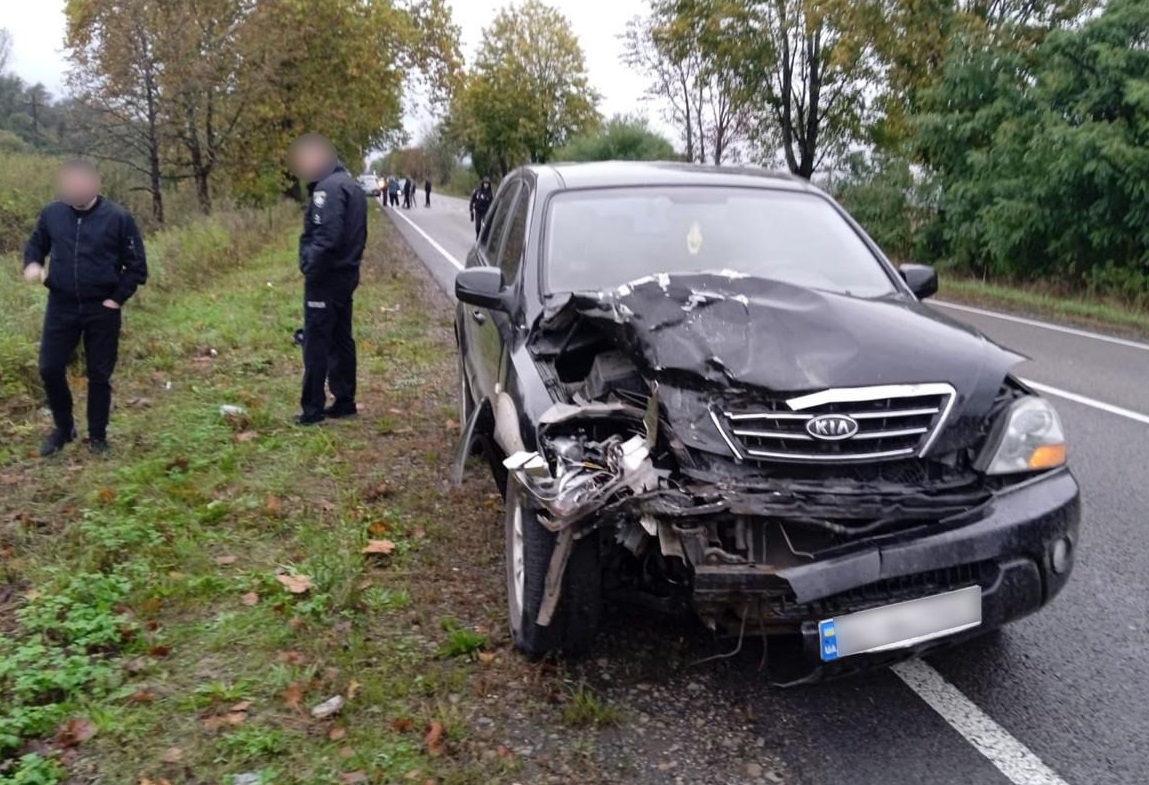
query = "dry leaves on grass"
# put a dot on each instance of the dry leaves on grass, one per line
(74, 732)
(296, 584)
(224, 561)
(435, 739)
(172, 755)
(291, 658)
(250, 599)
(379, 547)
(353, 777)
(293, 696)
(274, 505)
(246, 436)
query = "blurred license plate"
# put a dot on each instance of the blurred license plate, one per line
(900, 625)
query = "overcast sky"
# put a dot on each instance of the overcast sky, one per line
(37, 27)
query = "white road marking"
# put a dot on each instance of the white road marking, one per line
(442, 251)
(1092, 402)
(1010, 756)
(1045, 325)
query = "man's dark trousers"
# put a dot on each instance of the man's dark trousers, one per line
(67, 322)
(328, 350)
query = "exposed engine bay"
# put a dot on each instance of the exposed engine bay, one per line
(723, 434)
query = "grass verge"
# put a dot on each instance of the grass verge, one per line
(1091, 314)
(235, 600)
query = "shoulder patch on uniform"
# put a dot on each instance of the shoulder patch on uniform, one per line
(320, 198)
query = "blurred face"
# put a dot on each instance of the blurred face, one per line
(77, 186)
(311, 160)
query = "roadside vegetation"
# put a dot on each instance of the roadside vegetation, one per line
(233, 599)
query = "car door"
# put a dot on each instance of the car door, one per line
(484, 345)
(510, 262)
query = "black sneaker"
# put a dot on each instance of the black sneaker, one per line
(56, 441)
(99, 446)
(309, 419)
(339, 410)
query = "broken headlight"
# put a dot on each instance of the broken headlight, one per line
(1031, 440)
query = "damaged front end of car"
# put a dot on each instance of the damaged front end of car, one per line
(742, 449)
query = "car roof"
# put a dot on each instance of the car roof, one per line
(611, 174)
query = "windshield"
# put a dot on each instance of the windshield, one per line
(602, 239)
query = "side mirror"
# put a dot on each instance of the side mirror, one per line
(482, 286)
(921, 278)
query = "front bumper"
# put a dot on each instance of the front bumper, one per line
(1008, 551)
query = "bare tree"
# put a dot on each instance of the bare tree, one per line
(5, 48)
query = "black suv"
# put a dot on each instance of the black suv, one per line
(709, 388)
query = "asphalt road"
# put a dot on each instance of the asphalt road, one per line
(1060, 697)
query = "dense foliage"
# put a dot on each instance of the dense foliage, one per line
(619, 139)
(527, 93)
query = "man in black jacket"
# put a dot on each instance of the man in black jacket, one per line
(330, 252)
(481, 199)
(97, 263)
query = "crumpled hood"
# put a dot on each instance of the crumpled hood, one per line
(737, 332)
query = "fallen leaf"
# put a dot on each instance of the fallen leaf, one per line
(347, 753)
(296, 584)
(337, 734)
(329, 708)
(420, 534)
(380, 528)
(353, 777)
(487, 657)
(177, 465)
(413, 775)
(503, 752)
(452, 425)
(353, 689)
(293, 696)
(291, 658)
(274, 505)
(241, 706)
(141, 403)
(160, 651)
(172, 755)
(75, 732)
(402, 724)
(381, 547)
(436, 744)
(223, 561)
(235, 717)
(142, 696)
(250, 599)
(107, 495)
(246, 436)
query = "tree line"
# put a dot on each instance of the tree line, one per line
(1007, 138)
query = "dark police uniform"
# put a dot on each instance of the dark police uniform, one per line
(96, 255)
(330, 251)
(481, 199)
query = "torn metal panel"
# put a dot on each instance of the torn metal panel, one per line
(738, 332)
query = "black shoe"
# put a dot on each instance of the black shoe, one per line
(56, 441)
(309, 419)
(340, 410)
(99, 446)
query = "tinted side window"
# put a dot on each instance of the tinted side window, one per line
(511, 257)
(497, 221)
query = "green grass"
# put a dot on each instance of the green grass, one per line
(1099, 314)
(585, 708)
(147, 624)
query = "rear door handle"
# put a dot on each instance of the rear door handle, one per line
(479, 316)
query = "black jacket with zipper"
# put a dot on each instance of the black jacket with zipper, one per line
(97, 254)
(334, 233)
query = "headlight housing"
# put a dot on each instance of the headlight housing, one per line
(1031, 440)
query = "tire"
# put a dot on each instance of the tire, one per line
(529, 547)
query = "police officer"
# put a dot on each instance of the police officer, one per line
(481, 199)
(330, 252)
(97, 263)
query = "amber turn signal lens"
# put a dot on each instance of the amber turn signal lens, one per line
(1047, 456)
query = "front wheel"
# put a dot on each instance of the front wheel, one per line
(529, 548)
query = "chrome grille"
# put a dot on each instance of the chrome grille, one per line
(890, 422)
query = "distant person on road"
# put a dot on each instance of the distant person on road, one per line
(330, 253)
(393, 190)
(427, 189)
(408, 193)
(97, 263)
(481, 199)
